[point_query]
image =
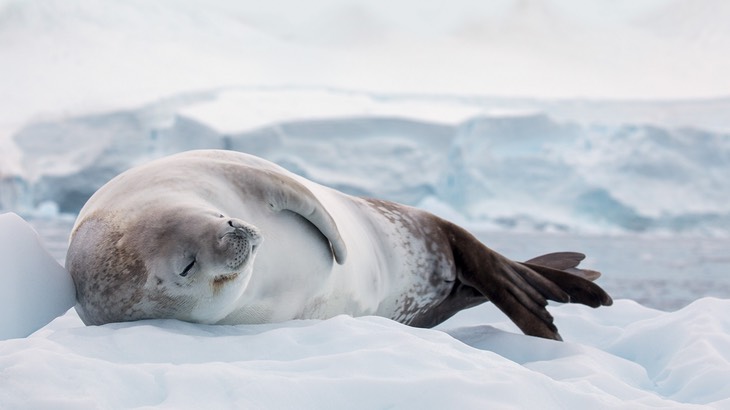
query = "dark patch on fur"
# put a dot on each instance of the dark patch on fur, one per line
(417, 223)
(436, 267)
(476, 274)
(220, 281)
(108, 284)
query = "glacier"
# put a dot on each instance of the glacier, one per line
(506, 164)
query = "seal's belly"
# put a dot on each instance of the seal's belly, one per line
(397, 268)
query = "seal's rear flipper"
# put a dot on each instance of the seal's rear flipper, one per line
(565, 261)
(521, 290)
(580, 290)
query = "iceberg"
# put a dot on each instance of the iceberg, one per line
(533, 167)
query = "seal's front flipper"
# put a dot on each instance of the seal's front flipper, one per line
(286, 194)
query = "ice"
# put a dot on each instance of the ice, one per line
(35, 288)
(535, 167)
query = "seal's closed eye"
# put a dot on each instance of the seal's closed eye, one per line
(187, 268)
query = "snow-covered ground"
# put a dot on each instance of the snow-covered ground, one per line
(595, 126)
(626, 356)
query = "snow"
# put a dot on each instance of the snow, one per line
(618, 357)
(35, 288)
(265, 108)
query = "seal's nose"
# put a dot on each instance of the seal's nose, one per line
(243, 229)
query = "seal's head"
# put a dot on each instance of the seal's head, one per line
(186, 263)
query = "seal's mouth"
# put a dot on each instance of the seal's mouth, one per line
(219, 282)
(222, 279)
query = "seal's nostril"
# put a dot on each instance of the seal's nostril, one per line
(230, 223)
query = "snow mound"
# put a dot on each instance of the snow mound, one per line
(35, 288)
(618, 357)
